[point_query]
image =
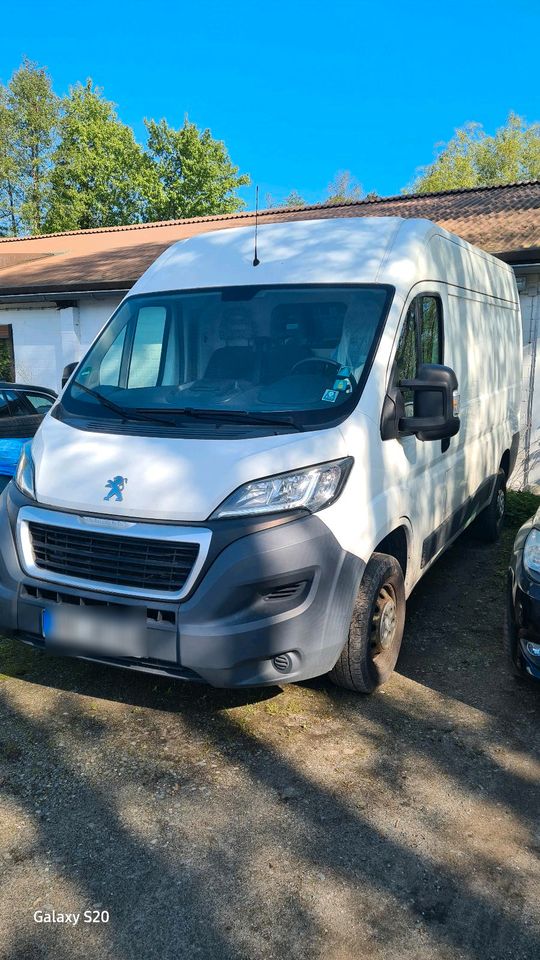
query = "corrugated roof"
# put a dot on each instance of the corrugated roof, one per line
(504, 220)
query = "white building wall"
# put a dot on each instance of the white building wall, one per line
(527, 472)
(47, 337)
(37, 343)
(93, 315)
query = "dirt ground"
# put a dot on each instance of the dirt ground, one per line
(301, 822)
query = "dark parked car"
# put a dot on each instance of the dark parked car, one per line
(522, 628)
(22, 408)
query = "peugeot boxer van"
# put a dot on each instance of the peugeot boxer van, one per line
(262, 453)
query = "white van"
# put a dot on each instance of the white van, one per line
(260, 456)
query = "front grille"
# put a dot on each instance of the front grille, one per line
(108, 558)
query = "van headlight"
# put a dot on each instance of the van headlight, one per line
(310, 488)
(24, 476)
(531, 554)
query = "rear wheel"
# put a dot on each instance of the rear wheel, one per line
(489, 523)
(370, 653)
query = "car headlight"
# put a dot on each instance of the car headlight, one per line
(24, 476)
(310, 488)
(531, 554)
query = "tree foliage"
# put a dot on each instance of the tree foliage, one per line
(100, 174)
(9, 193)
(28, 117)
(193, 175)
(344, 188)
(293, 199)
(472, 158)
(71, 163)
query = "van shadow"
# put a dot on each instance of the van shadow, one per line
(319, 828)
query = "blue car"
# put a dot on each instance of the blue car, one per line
(22, 408)
(522, 626)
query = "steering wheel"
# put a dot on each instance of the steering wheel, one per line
(329, 366)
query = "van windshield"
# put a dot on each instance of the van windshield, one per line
(301, 351)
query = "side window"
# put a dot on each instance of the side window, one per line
(430, 330)
(407, 356)
(40, 402)
(421, 341)
(109, 371)
(147, 347)
(4, 407)
(17, 406)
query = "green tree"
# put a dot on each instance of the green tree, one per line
(10, 197)
(194, 175)
(101, 174)
(472, 158)
(28, 117)
(293, 199)
(344, 188)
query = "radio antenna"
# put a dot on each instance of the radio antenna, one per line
(256, 260)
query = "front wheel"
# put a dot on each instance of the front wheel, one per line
(370, 653)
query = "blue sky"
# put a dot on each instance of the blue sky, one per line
(298, 90)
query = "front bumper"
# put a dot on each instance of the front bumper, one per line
(282, 589)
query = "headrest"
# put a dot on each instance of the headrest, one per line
(287, 325)
(236, 324)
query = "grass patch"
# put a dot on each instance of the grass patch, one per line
(15, 659)
(519, 507)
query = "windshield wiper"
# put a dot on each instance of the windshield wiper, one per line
(233, 416)
(126, 415)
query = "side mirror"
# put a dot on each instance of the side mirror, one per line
(68, 371)
(435, 406)
(435, 403)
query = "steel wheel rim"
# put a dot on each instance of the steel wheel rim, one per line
(384, 620)
(501, 504)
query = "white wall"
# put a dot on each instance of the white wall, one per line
(46, 338)
(93, 314)
(527, 472)
(36, 344)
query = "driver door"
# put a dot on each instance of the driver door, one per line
(423, 466)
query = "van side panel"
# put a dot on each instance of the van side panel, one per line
(483, 338)
(438, 488)
(485, 352)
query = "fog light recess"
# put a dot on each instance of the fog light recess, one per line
(283, 663)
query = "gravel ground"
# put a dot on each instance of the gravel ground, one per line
(301, 822)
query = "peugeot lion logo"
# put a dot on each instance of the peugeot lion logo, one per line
(116, 485)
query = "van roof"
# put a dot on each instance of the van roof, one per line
(391, 250)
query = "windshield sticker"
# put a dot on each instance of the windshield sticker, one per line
(342, 386)
(330, 395)
(344, 372)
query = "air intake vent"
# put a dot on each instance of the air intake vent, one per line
(284, 592)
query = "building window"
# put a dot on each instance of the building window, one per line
(7, 360)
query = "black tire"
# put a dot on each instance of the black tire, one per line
(488, 524)
(511, 638)
(369, 656)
